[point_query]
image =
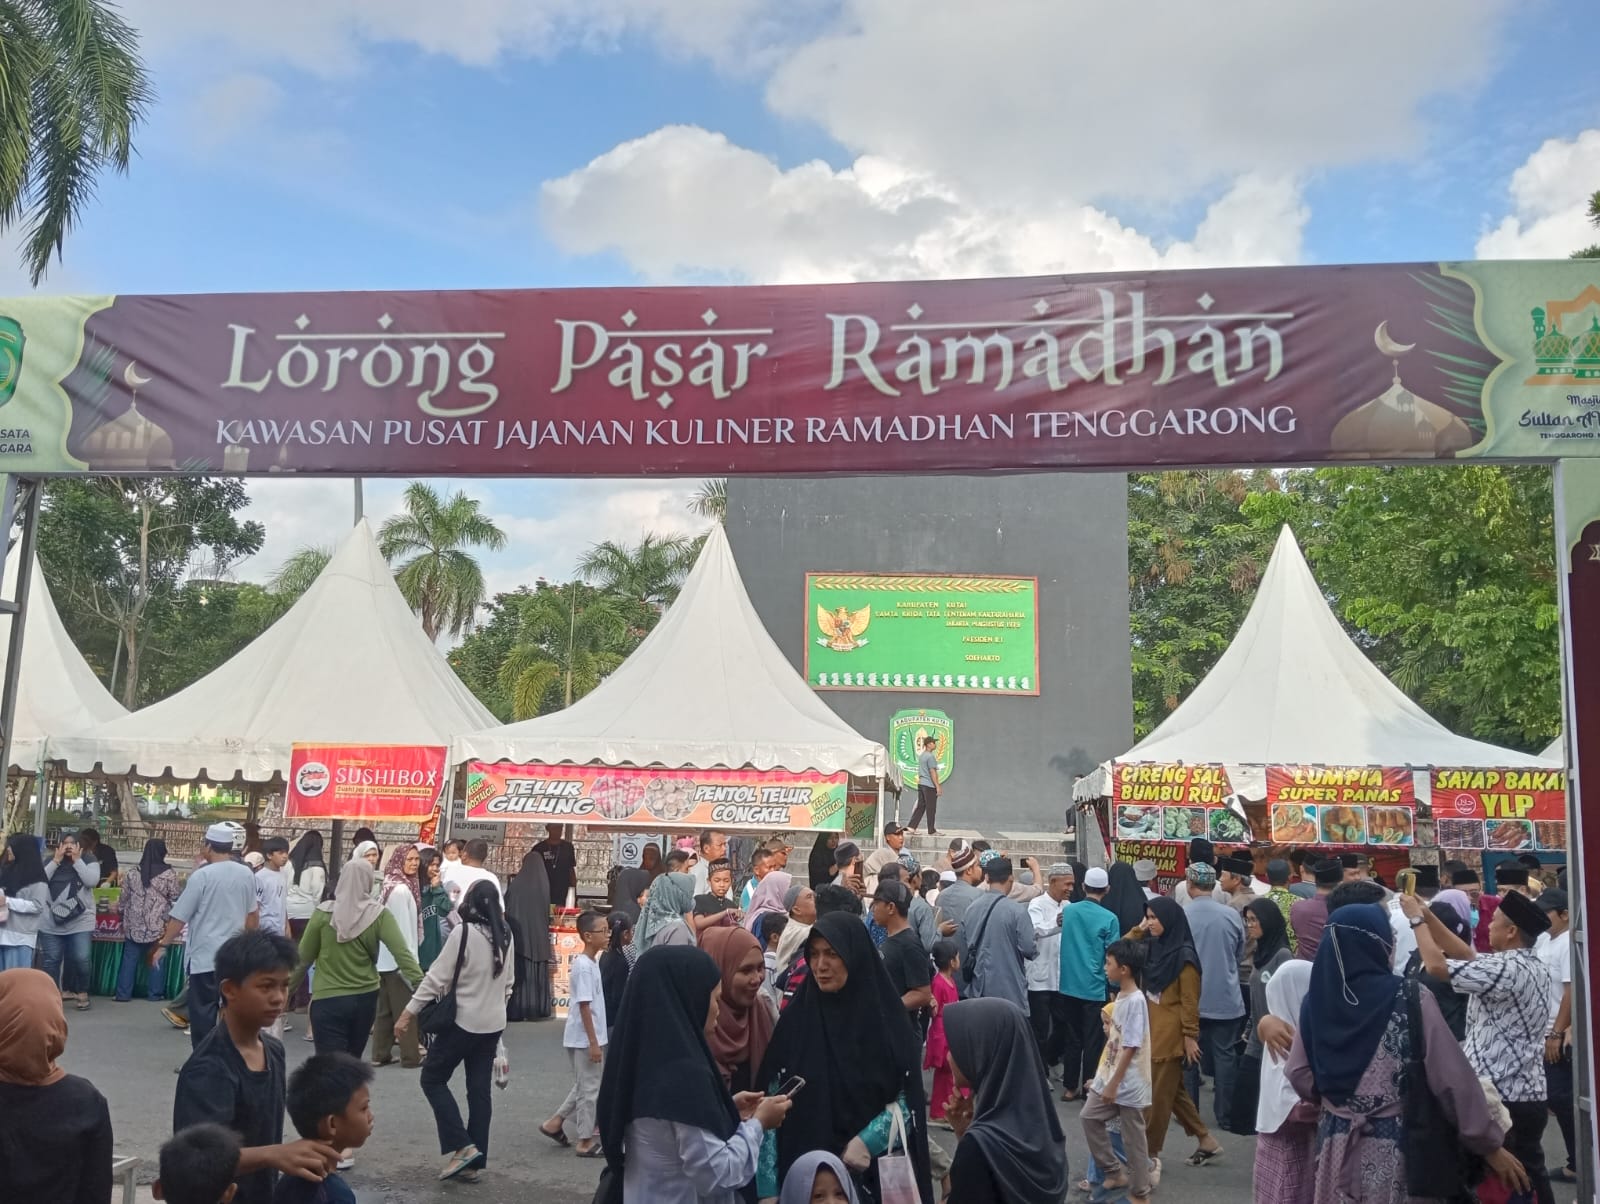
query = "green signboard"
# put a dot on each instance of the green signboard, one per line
(881, 631)
(906, 731)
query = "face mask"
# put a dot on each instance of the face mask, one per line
(1472, 918)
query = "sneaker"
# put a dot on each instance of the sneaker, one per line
(460, 1161)
(345, 1164)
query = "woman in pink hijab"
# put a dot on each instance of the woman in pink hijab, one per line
(766, 899)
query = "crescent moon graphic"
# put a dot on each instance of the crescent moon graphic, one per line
(130, 374)
(1386, 344)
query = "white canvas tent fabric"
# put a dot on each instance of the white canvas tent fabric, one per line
(57, 693)
(348, 664)
(1556, 751)
(707, 688)
(1293, 689)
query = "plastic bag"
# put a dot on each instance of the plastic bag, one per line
(502, 1066)
(897, 1177)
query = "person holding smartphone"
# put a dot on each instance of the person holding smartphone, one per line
(67, 927)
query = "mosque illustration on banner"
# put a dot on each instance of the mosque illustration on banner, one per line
(1565, 351)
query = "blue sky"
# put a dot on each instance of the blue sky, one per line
(329, 144)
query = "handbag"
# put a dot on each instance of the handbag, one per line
(969, 960)
(897, 1177)
(609, 1189)
(1438, 1166)
(439, 1015)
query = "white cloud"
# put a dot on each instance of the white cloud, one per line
(1549, 202)
(549, 525)
(328, 37)
(232, 106)
(1032, 100)
(684, 203)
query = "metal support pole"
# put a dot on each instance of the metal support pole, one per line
(26, 494)
(336, 843)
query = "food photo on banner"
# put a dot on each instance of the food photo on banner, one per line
(1501, 810)
(674, 798)
(375, 782)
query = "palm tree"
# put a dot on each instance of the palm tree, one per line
(298, 574)
(651, 572)
(710, 500)
(441, 581)
(1592, 252)
(569, 635)
(72, 91)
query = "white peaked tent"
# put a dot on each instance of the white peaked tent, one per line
(57, 693)
(348, 664)
(1293, 689)
(707, 688)
(1556, 752)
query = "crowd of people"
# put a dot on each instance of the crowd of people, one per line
(772, 1040)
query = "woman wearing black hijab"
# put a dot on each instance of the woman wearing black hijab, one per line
(1264, 924)
(27, 893)
(1124, 897)
(1012, 1151)
(669, 1129)
(528, 914)
(1080, 871)
(847, 1033)
(1172, 987)
(820, 865)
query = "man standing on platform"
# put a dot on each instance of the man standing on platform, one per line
(928, 788)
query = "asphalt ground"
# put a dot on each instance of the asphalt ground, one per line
(131, 1054)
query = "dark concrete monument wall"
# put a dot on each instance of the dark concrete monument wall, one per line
(1016, 758)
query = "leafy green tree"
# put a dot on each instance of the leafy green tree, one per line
(1194, 561)
(204, 626)
(1592, 251)
(652, 571)
(72, 92)
(1446, 577)
(541, 649)
(441, 580)
(117, 551)
(710, 500)
(299, 573)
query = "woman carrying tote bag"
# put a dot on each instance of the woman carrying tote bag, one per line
(468, 981)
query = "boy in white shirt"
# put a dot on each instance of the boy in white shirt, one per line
(1121, 1086)
(585, 1041)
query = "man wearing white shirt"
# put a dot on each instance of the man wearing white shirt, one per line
(1555, 951)
(1405, 940)
(713, 847)
(1044, 971)
(458, 877)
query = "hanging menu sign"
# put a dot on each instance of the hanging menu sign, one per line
(1184, 785)
(1340, 786)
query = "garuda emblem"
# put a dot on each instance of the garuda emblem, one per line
(842, 629)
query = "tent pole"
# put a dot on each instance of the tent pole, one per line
(336, 841)
(17, 607)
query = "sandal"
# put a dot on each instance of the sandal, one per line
(593, 1151)
(461, 1160)
(1202, 1157)
(559, 1136)
(81, 1005)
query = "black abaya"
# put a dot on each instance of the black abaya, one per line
(857, 1050)
(528, 910)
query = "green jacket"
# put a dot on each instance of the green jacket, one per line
(351, 967)
(435, 908)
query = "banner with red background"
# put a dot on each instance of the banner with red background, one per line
(1501, 809)
(374, 782)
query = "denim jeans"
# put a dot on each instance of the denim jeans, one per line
(16, 957)
(134, 952)
(66, 959)
(475, 1051)
(1219, 1057)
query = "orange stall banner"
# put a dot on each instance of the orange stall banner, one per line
(373, 782)
(1340, 786)
(1183, 785)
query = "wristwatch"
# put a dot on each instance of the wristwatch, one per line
(1418, 922)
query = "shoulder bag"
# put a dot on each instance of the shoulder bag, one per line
(897, 1177)
(969, 962)
(1438, 1166)
(439, 1015)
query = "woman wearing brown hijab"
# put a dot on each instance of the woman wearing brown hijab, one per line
(744, 1025)
(55, 1128)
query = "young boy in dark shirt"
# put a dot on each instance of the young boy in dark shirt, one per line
(198, 1167)
(235, 1076)
(330, 1100)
